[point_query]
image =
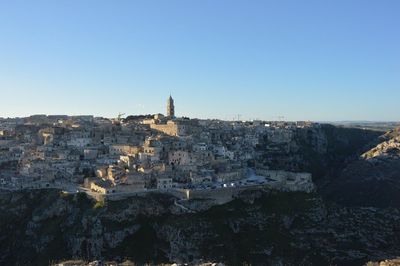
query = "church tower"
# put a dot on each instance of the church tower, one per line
(170, 107)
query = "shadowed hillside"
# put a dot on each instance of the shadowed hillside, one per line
(260, 228)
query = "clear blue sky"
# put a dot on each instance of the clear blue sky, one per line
(305, 60)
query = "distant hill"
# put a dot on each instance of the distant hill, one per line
(371, 125)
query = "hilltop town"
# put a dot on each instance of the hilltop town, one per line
(162, 189)
(139, 154)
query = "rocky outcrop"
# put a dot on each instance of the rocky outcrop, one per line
(48, 225)
(389, 149)
(391, 262)
(323, 151)
(373, 179)
(258, 227)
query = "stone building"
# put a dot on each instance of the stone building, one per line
(172, 128)
(170, 107)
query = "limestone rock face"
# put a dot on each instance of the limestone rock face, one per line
(392, 262)
(322, 151)
(48, 224)
(259, 227)
(389, 149)
(373, 179)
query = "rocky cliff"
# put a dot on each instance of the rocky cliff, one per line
(261, 228)
(323, 151)
(373, 178)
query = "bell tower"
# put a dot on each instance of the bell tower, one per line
(170, 107)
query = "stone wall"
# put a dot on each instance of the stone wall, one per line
(289, 181)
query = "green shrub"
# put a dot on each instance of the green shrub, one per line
(99, 204)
